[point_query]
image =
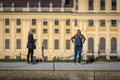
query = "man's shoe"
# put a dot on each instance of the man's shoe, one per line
(75, 63)
(33, 63)
(28, 62)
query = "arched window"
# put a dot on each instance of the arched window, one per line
(90, 44)
(113, 45)
(102, 45)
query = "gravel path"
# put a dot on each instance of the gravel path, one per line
(60, 66)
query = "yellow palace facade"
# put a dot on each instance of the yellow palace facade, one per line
(54, 22)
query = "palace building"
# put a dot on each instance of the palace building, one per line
(54, 22)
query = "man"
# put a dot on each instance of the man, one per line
(78, 40)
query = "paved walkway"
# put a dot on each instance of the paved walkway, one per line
(60, 66)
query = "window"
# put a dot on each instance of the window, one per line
(34, 30)
(45, 44)
(7, 30)
(90, 45)
(102, 22)
(113, 22)
(67, 22)
(56, 30)
(102, 45)
(18, 30)
(113, 45)
(45, 31)
(102, 4)
(67, 30)
(91, 5)
(67, 44)
(75, 22)
(56, 44)
(76, 8)
(33, 21)
(114, 4)
(7, 43)
(18, 43)
(90, 23)
(67, 3)
(45, 22)
(56, 22)
(7, 21)
(18, 22)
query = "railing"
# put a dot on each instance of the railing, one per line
(18, 9)
(68, 9)
(90, 51)
(7, 9)
(35, 9)
(114, 51)
(44, 9)
(103, 51)
(56, 9)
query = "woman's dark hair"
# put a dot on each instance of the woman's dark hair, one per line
(78, 30)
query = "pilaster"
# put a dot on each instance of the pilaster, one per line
(13, 34)
(108, 39)
(50, 36)
(62, 35)
(1, 34)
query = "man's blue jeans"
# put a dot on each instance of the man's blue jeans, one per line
(78, 51)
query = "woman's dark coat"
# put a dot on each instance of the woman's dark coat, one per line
(31, 42)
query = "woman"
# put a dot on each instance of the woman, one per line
(30, 46)
(78, 40)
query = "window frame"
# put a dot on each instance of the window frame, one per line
(67, 22)
(45, 31)
(114, 5)
(7, 44)
(91, 5)
(56, 22)
(68, 47)
(7, 21)
(102, 4)
(34, 31)
(56, 32)
(18, 31)
(90, 22)
(18, 22)
(6, 30)
(114, 25)
(56, 46)
(33, 22)
(45, 22)
(102, 23)
(67, 32)
(75, 22)
(45, 45)
(18, 41)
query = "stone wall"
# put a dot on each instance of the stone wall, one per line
(59, 75)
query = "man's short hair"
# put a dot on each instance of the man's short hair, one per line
(78, 30)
